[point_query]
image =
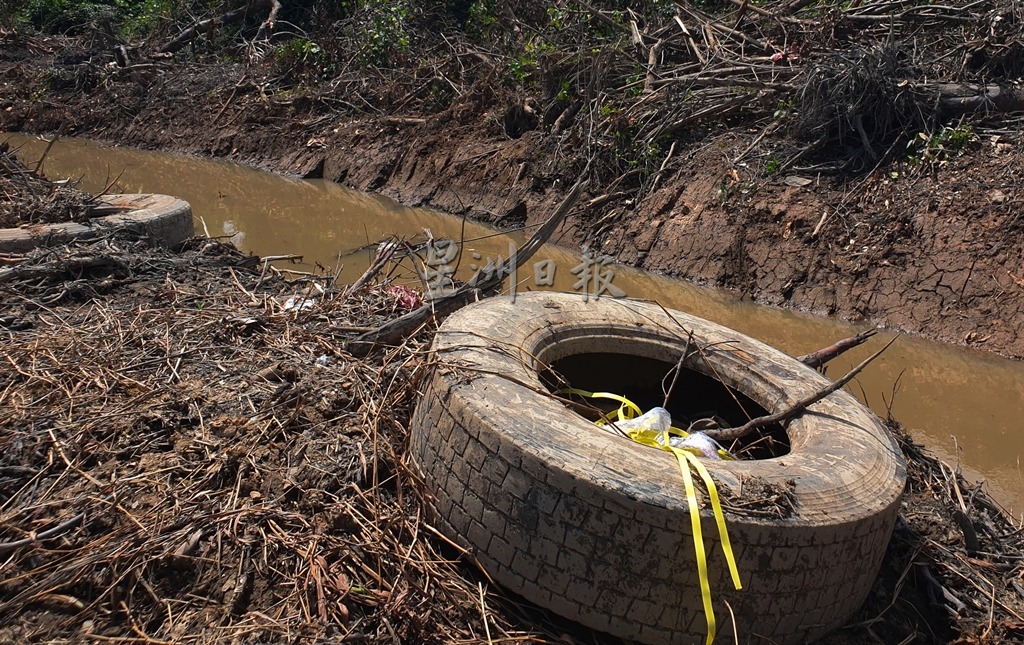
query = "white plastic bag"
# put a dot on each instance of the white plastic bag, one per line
(657, 419)
(699, 442)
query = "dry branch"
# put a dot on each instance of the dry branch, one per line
(267, 26)
(798, 408)
(825, 354)
(210, 24)
(56, 531)
(385, 252)
(477, 287)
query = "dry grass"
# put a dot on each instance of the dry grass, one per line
(184, 459)
(176, 465)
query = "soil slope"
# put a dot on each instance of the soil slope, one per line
(926, 237)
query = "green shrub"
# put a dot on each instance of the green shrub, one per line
(132, 17)
(942, 146)
(144, 16)
(385, 29)
(304, 59)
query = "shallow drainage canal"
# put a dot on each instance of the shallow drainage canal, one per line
(966, 406)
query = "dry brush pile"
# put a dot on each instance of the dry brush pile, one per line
(185, 459)
(28, 198)
(624, 87)
(188, 457)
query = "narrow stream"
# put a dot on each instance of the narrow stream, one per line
(965, 405)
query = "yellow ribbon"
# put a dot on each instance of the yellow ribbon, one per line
(628, 410)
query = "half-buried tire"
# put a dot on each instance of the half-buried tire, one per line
(163, 219)
(595, 527)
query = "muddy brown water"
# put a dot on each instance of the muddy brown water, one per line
(966, 406)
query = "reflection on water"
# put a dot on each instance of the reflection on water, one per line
(966, 406)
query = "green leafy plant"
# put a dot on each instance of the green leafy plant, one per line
(526, 62)
(304, 58)
(942, 146)
(519, 68)
(145, 16)
(957, 138)
(634, 84)
(385, 29)
(556, 18)
(784, 109)
(629, 148)
(481, 15)
(660, 7)
(564, 91)
(68, 16)
(130, 17)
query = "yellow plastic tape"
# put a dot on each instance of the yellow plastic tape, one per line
(628, 410)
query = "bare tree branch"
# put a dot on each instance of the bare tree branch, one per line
(729, 434)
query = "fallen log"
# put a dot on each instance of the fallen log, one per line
(210, 24)
(962, 98)
(825, 354)
(62, 269)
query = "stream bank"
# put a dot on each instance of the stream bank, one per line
(928, 238)
(963, 404)
(939, 256)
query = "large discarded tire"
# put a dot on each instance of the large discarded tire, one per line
(596, 528)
